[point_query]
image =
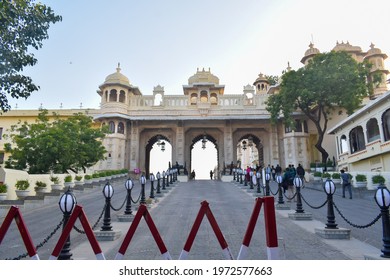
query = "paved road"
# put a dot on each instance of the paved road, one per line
(231, 205)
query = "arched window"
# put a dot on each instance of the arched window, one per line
(194, 98)
(122, 96)
(372, 130)
(111, 127)
(298, 126)
(113, 95)
(213, 99)
(356, 139)
(203, 97)
(386, 125)
(121, 128)
(343, 144)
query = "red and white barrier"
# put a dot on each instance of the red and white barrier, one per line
(270, 228)
(143, 212)
(14, 213)
(205, 210)
(78, 212)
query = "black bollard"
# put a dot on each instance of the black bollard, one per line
(67, 203)
(108, 192)
(330, 188)
(382, 198)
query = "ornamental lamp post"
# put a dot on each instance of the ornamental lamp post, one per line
(167, 173)
(298, 184)
(67, 203)
(251, 181)
(234, 174)
(382, 198)
(158, 176)
(267, 178)
(151, 177)
(258, 177)
(279, 180)
(245, 180)
(143, 182)
(163, 178)
(108, 192)
(171, 176)
(129, 186)
(330, 189)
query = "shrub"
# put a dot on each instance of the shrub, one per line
(317, 174)
(55, 180)
(68, 179)
(40, 184)
(78, 178)
(378, 179)
(336, 176)
(87, 177)
(22, 185)
(361, 178)
(3, 188)
(326, 175)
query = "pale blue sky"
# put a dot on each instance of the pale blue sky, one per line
(164, 42)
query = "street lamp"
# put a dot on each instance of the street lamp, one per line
(67, 203)
(330, 188)
(298, 184)
(129, 186)
(158, 176)
(244, 145)
(163, 178)
(204, 141)
(108, 192)
(279, 180)
(267, 177)
(382, 198)
(143, 182)
(258, 177)
(151, 177)
(162, 145)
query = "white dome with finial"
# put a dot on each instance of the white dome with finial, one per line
(117, 78)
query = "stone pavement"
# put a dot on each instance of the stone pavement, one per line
(231, 205)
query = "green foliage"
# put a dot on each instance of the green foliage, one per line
(68, 179)
(317, 174)
(336, 176)
(330, 81)
(40, 184)
(87, 177)
(55, 179)
(361, 178)
(23, 27)
(78, 178)
(326, 175)
(378, 179)
(3, 188)
(22, 185)
(58, 146)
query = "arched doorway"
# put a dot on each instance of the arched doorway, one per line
(250, 151)
(158, 154)
(204, 156)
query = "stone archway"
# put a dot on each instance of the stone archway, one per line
(251, 141)
(155, 139)
(207, 139)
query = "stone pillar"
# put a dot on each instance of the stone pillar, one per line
(228, 143)
(134, 146)
(180, 144)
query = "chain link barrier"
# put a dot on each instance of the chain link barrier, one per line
(139, 197)
(41, 244)
(355, 225)
(118, 209)
(311, 206)
(95, 225)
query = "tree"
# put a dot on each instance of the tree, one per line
(331, 81)
(57, 146)
(23, 24)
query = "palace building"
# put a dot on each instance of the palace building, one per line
(237, 125)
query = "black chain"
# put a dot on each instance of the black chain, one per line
(354, 225)
(40, 245)
(117, 209)
(314, 207)
(139, 197)
(95, 225)
(277, 191)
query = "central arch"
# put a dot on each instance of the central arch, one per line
(162, 143)
(250, 145)
(204, 146)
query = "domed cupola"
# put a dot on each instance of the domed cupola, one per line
(261, 84)
(309, 53)
(117, 78)
(376, 58)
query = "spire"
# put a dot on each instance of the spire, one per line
(118, 69)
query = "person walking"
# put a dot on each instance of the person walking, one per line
(301, 173)
(211, 174)
(346, 184)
